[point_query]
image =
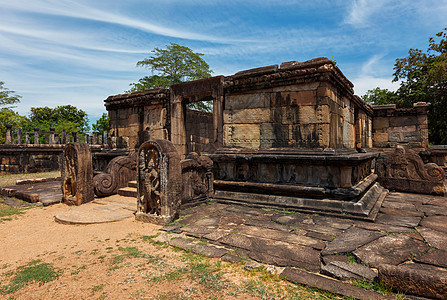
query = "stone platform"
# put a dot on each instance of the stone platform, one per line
(410, 231)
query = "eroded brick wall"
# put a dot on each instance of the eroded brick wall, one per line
(406, 127)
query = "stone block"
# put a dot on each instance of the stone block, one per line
(307, 115)
(251, 100)
(323, 114)
(311, 86)
(325, 92)
(403, 121)
(274, 135)
(396, 137)
(247, 116)
(242, 135)
(305, 135)
(284, 115)
(411, 128)
(348, 271)
(381, 123)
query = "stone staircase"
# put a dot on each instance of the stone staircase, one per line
(130, 190)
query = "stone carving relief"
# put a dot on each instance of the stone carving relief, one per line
(118, 173)
(404, 170)
(159, 182)
(77, 174)
(197, 179)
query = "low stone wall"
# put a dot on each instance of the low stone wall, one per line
(406, 127)
(30, 158)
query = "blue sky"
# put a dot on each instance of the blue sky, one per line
(57, 52)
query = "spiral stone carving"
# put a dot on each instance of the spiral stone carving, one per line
(118, 173)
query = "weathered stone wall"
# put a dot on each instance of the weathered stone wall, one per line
(16, 159)
(406, 127)
(139, 116)
(299, 105)
(199, 131)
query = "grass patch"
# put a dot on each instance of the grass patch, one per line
(7, 211)
(97, 288)
(35, 271)
(10, 179)
(373, 286)
(127, 252)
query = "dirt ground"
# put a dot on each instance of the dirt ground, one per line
(122, 261)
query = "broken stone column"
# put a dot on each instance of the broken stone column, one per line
(27, 142)
(94, 139)
(51, 140)
(19, 135)
(36, 136)
(77, 174)
(75, 137)
(106, 134)
(8, 136)
(159, 182)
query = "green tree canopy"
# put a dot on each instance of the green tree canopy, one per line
(173, 65)
(102, 124)
(380, 96)
(423, 77)
(65, 117)
(8, 97)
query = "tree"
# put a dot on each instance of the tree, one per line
(175, 64)
(65, 117)
(102, 124)
(380, 96)
(8, 116)
(423, 78)
(7, 96)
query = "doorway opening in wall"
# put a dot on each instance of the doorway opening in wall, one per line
(199, 126)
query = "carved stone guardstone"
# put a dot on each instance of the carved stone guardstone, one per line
(403, 170)
(197, 179)
(77, 174)
(118, 173)
(159, 182)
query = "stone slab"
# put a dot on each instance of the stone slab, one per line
(92, 213)
(382, 227)
(319, 236)
(434, 238)
(182, 243)
(267, 224)
(338, 223)
(350, 240)
(331, 285)
(438, 223)
(435, 257)
(398, 220)
(327, 259)
(391, 249)
(171, 228)
(289, 219)
(401, 212)
(398, 204)
(231, 258)
(433, 210)
(275, 252)
(209, 251)
(418, 279)
(348, 271)
(15, 203)
(438, 201)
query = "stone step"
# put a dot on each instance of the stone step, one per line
(132, 183)
(128, 192)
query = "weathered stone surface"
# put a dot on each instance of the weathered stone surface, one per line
(327, 259)
(435, 239)
(403, 170)
(170, 228)
(252, 265)
(27, 196)
(401, 212)
(438, 201)
(417, 279)
(434, 257)
(77, 174)
(289, 219)
(399, 204)
(275, 252)
(348, 271)
(280, 236)
(391, 249)
(331, 285)
(266, 224)
(209, 251)
(319, 236)
(398, 220)
(338, 223)
(159, 182)
(432, 210)
(182, 243)
(231, 258)
(350, 240)
(215, 235)
(438, 223)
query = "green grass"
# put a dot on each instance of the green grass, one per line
(373, 286)
(35, 271)
(10, 179)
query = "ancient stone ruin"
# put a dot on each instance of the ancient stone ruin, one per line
(77, 174)
(158, 182)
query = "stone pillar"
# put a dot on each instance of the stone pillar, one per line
(94, 138)
(19, 135)
(106, 135)
(77, 174)
(51, 140)
(64, 137)
(36, 136)
(99, 139)
(87, 138)
(159, 182)
(218, 114)
(178, 130)
(27, 138)
(74, 137)
(8, 136)
(56, 138)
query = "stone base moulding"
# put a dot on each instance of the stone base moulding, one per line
(337, 182)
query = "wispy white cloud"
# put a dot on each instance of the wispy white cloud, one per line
(360, 12)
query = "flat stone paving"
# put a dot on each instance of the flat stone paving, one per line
(410, 228)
